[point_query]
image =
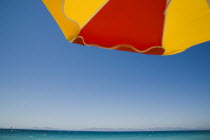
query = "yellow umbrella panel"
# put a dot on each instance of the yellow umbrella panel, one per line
(187, 23)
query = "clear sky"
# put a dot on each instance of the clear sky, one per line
(46, 81)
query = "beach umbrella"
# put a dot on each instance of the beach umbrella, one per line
(160, 27)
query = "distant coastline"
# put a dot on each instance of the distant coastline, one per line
(105, 130)
(29, 134)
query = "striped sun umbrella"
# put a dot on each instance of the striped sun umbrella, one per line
(161, 27)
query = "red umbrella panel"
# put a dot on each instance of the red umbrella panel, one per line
(129, 25)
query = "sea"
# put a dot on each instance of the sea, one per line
(20, 134)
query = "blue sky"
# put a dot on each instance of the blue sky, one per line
(45, 81)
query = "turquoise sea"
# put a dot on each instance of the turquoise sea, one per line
(6, 134)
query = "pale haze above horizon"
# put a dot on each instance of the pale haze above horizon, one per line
(48, 82)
